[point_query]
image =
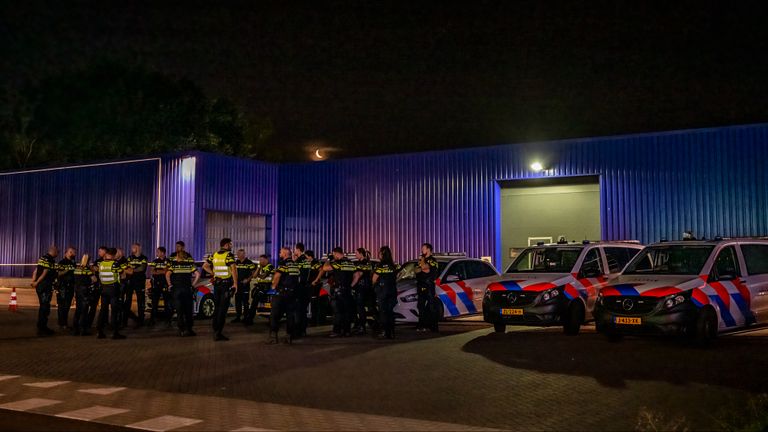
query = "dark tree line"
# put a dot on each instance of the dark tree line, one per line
(109, 110)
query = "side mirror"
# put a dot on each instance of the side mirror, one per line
(452, 278)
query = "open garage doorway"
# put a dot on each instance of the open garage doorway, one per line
(545, 209)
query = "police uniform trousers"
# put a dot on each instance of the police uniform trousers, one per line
(160, 290)
(283, 303)
(303, 298)
(83, 303)
(44, 292)
(184, 301)
(137, 286)
(242, 298)
(221, 297)
(257, 295)
(64, 296)
(386, 318)
(426, 308)
(111, 307)
(343, 310)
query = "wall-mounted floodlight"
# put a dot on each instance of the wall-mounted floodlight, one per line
(537, 166)
(188, 168)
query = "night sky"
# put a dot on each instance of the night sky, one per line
(383, 77)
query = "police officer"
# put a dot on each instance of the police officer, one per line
(84, 299)
(65, 290)
(426, 273)
(181, 269)
(284, 282)
(160, 288)
(110, 273)
(96, 290)
(263, 278)
(42, 280)
(385, 285)
(245, 271)
(315, 267)
(224, 270)
(362, 288)
(136, 283)
(122, 261)
(180, 246)
(303, 294)
(341, 271)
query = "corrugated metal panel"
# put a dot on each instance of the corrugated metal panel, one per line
(235, 185)
(652, 186)
(84, 207)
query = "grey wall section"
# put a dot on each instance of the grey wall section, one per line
(652, 186)
(83, 207)
(233, 185)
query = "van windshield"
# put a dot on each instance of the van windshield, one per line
(670, 259)
(546, 260)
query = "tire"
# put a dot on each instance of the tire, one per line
(499, 327)
(207, 306)
(574, 318)
(705, 329)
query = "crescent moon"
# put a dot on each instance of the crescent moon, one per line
(317, 154)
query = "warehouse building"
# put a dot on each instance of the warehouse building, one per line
(482, 201)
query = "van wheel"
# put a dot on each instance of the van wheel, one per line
(706, 327)
(499, 327)
(573, 319)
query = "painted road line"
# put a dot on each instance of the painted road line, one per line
(92, 413)
(46, 384)
(7, 377)
(29, 404)
(103, 391)
(164, 423)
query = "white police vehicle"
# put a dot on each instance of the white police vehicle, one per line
(694, 288)
(554, 284)
(459, 286)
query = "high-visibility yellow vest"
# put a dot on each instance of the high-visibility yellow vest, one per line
(221, 262)
(108, 273)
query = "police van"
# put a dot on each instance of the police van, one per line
(692, 288)
(555, 284)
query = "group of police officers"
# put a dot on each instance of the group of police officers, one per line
(112, 279)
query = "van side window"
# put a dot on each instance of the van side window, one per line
(618, 257)
(756, 258)
(726, 265)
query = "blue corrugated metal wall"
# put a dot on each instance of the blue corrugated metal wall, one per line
(652, 186)
(83, 207)
(234, 185)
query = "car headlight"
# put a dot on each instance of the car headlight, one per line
(550, 294)
(673, 300)
(410, 298)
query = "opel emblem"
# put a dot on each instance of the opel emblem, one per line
(511, 298)
(628, 304)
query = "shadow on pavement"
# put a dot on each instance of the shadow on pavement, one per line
(736, 362)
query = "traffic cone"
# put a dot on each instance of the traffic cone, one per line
(13, 304)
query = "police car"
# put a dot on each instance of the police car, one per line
(693, 288)
(554, 284)
(459, 286)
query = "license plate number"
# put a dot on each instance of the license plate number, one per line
(508, 311)
(267, 305)
(627, 320)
